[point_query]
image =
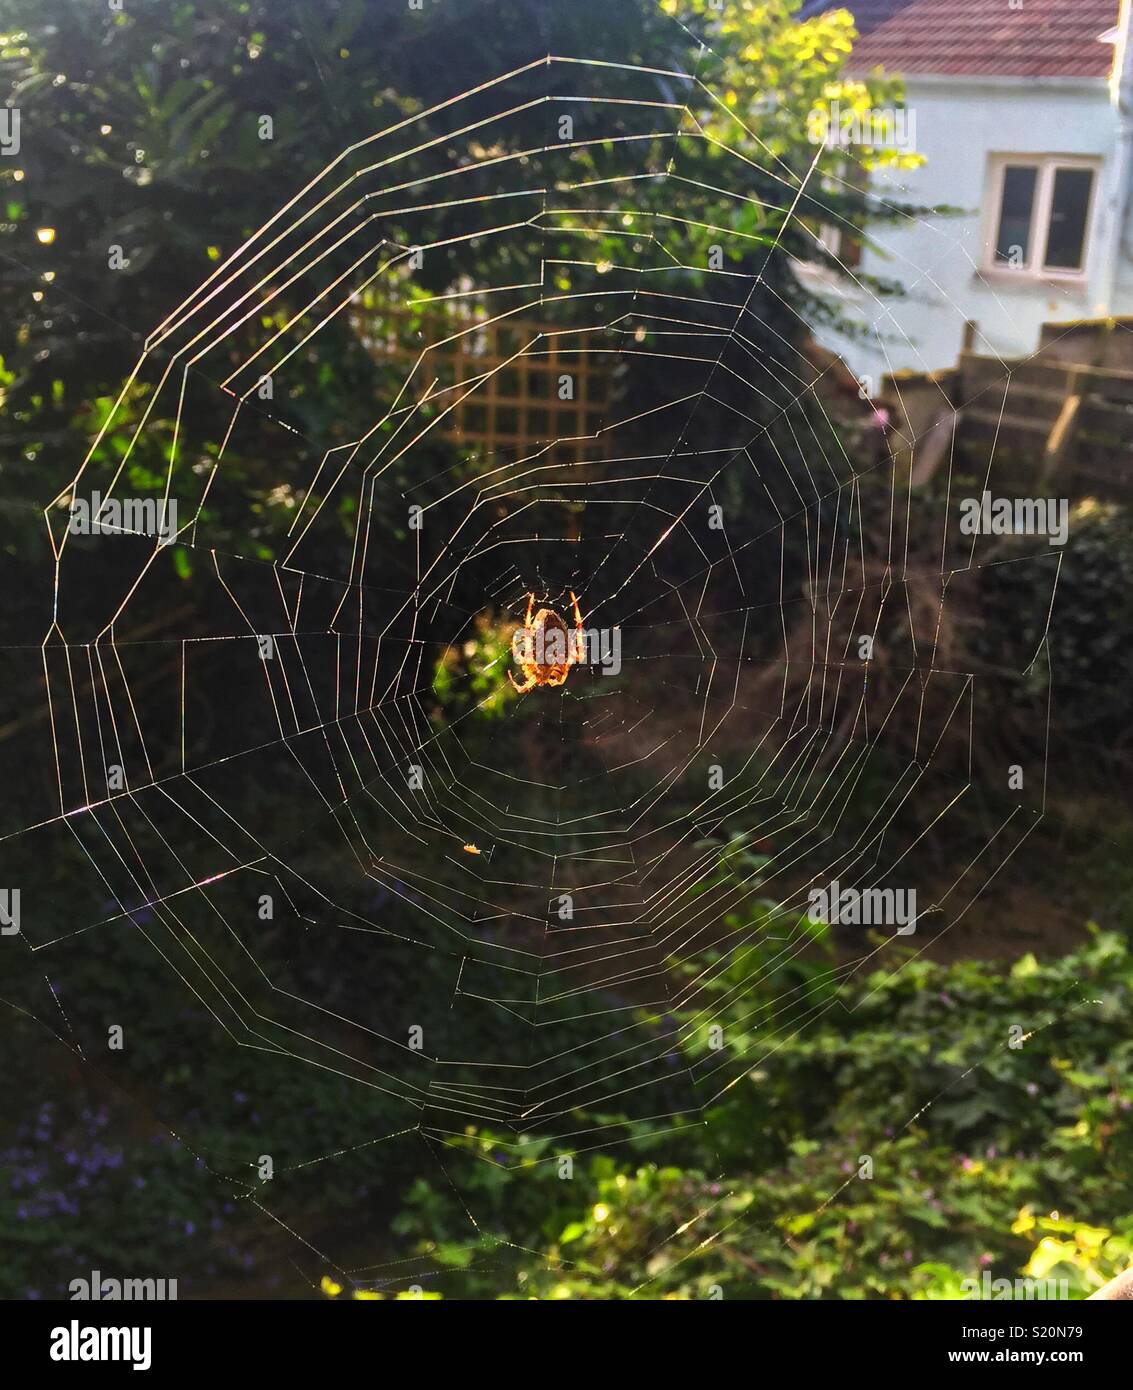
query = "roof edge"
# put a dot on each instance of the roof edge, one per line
(988, 79)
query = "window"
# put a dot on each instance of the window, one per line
(1041, 214)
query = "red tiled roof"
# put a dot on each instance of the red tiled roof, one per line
(1043, 38)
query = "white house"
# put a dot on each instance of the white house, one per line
(1023, 110)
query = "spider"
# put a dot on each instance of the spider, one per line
(547, 649)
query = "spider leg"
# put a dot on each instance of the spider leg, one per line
(579, 639)
(530, 608)
(525, 687)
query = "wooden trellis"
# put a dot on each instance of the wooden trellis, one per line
(514, 386)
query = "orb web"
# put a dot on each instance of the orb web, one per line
(535, 932)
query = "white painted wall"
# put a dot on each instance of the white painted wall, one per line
(959, 124)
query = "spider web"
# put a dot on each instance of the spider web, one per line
(433, 865)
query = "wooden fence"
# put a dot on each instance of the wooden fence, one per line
(1055, 415)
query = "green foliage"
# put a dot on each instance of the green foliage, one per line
(1090, 661)
(968, 1137)
(473, 676)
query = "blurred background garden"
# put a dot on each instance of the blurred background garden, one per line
(142, 128)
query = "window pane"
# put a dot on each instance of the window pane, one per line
(1015, 212)
(1068, 209)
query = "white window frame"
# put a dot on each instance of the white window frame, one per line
(1047, 166)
